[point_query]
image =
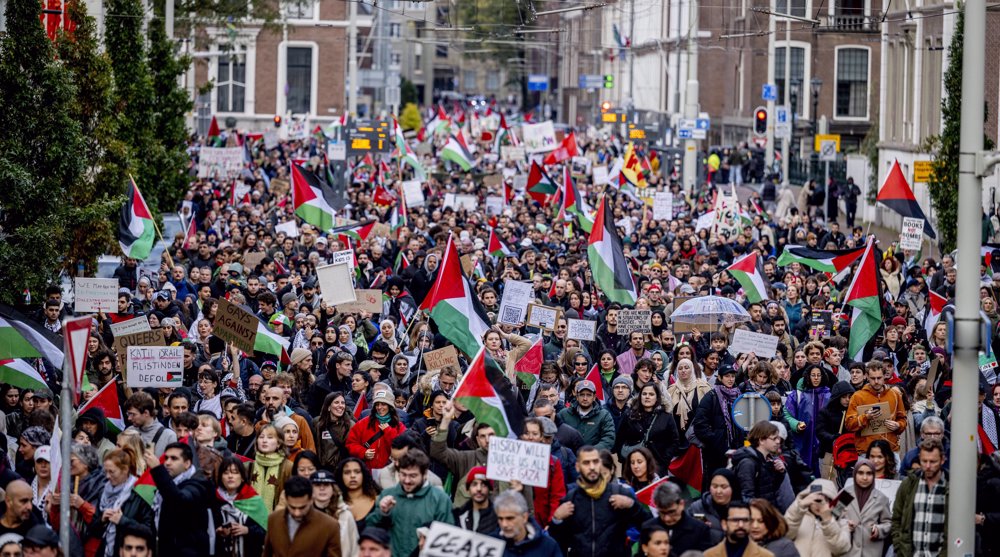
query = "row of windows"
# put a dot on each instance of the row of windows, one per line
(851, 93)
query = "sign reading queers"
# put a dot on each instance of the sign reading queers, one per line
(513, 459)
(155, 366)
(445, 540)
(236, 325)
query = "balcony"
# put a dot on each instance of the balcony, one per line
(853, 23)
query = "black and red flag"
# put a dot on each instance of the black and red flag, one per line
(896, 194)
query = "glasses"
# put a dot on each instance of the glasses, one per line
(739, 520)
(580, 364)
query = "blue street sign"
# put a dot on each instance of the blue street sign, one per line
(685, 134)
(591, 81)
(538, 82)
(780, 114)
(769, 92)
(702, 123)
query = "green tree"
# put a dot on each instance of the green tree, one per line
(169, 126)
(408, 92)
(498, 19)
(40, 154)
(410, 119)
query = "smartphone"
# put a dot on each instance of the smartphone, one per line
(699, 516)
(815, 488)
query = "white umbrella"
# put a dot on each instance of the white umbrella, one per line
(710, 310)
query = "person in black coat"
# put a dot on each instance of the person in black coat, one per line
(648, 424)
(686, 532)
(713, 424)
(758, 467)
(829, 424)
(184, 499)
(477, 514)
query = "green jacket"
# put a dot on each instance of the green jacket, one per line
(597, 428)
(460, 461)
(902, 515)
(412, 511)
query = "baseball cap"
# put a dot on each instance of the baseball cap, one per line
(586, 385)
(43, 453)
(384, 397)
(376, 535)
(369, 365)
(40, 536)
(322, 477)
(44, 393)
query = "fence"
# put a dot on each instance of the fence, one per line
(801, 171)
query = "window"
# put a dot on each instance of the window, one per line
(797, 7)
(231, 83)
(298, 76)
(852, 83)
(418, 55)
(469, 81)
(395, 58)
(441, 51)
(394, 29)
(300, 9)
(493, 81)
(798, 72)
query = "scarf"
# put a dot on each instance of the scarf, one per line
(38, 499)
(862, 495)
(594, 491)
(727, 396)
(266, 469)
(988, 422)
(350, 346)
(113, 497)
(383, 419)
(178, 479)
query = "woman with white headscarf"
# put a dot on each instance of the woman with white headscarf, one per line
(686, 392)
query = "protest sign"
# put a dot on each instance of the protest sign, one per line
(91, 295)
(342, 257)
(236, 325)
(630, 320)
(889, 488)
(153, 337)
(510, 153)
(542, 317)
(705, 221)
(514, 304)
(663, 205)
(369, 300)
(520, 182)
(726, 225)
(988, 367)
(336, 283)
(441, 358)
(135, 325)
(494, 205)
(155, 366)
(492, 180)
(912, 235)
(271, 139)
(289, 228)
(279, 187)
(469, 202)
(581, 329)
(413, 193)
(600, 175)
(876, 425)
(744, 342)
(513, 459)
(251, 259)
(445, 540)
(539, 138)
(220, 162)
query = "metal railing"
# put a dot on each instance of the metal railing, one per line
(855, 23)
(801, 171)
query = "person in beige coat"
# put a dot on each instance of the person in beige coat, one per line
(493, 341)
(869, 516)
(812, 526)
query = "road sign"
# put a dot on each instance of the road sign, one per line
(828, 150)
(821, 137)
(538, 82)
(769, 92)
(685, 134)
(591, 81)
(702, 123)
(782, 126)
(923, 171)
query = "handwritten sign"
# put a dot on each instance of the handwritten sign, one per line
(413, 193)
(542, 317)
(289, 228)
(91, 295)
(441, 358)
(911, 237)
(494, 204)
(509, 153)
(634, 320)
(513, 459)
(369, 300)
(492, 180)
(149, 338)
(725, 224)
(155, 366)
(876, 425)
(705, 221)
(514, 304)
(341, 257)
(663, 205)
(744, 342)
(988, 367)
(445, 540)
(251, 259)
(581, 329)
(236, 325)
(539, 138)
(336, 284)
(134, 325)
(220, 162)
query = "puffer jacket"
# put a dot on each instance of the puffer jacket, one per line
(758, 478)
(595, 529)
(876, 513)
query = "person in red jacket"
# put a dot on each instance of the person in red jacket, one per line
(546, 499)
(371, 438)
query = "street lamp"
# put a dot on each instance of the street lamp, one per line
(796, 86)
(816, 85)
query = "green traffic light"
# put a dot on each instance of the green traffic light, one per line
(609, 81)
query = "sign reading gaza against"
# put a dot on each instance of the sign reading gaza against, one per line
(91, 295)
(155, 366)
(236, 325)
(634, 320)
(744, 342)
(513, 459)
(445, 540)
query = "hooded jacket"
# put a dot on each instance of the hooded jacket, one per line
(757, 476)
(99, 439)
(805, 404)
(832, 418)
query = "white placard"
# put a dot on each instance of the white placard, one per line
(297, 129)
(705, 221)
(289, 228)
(342, 257)
(336, 283)
(625, 223)
(726, 223)
(601, 175)
(912, 235)
(583, 163)
(270, 139)
(413, 193)
(520, 182)
(134, 325)
(510, 153)
(494, 205)
(469, 202)
(634, 320)
(155, 366)
(663, 205)
(539, 138)
(91, 295)
(513, 459)
(514, 303)
(445, 540)
(745, 341)
(543, 317)
(581, 329)
(220, 162)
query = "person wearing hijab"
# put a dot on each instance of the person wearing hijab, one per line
(713, 506)
(869, 516)
(686, 392)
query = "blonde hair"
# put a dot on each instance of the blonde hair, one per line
(210, 420)
(130, 442)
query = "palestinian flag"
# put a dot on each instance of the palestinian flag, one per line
(19, 373)
(896, 194)
(459, 314)
(830, 261)
(607, 258)
(438, 124)
(991, 258)
(269, 342)
(489, 395)
(250, 503)
(863, 296)
(504, 133)
(360, 407)
(310, 203)
(214, 133)
(645, 495)
(145, 487)
(686, 469)
(405, 154)
(107, 400)
(136, 231)
(539, 185)
(45, 342)
(594, 376)
(191, 232)
(566, 150)
(458, 152)
(529, 366)
(397, 218)
(749, 272)
(935, 306)
(13, 345)
(574, 204)
(496, 247)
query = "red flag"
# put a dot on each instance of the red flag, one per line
(360, 407)
(688, 469)
(528, 367)
(192, 232)
(213, 129)
(645, 495)
(564, 152)
(594, 376)
(382, 196)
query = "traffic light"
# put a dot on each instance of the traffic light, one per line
(609, 81)
(760, 121)
(277, 121)
(605, 106)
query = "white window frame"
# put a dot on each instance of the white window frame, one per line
(805, 95)
(248, 65)
(868, 88)
(285, 5)
(282, 101)
(809, 7)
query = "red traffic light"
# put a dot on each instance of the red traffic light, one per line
(277, 121)
(760, 122)
(762, 115)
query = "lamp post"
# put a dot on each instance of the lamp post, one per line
(796, 85)
(816, 84)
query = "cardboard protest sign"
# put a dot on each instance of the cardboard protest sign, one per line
(542, 317)
(514, 303)
(745, 341)
(876, 425)
(492, 180)
(155, 366)
(369, 300)
(236, 325)
(152, 337)
(135, 325)
(638, 320)
(911, 237)
(445, 540)
(91, 295)
(251, 259)
(513, 459)
(468, 265)
(581, 329)
(441, 358)
(336, 283)
(280, 186)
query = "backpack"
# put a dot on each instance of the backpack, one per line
(845, 453)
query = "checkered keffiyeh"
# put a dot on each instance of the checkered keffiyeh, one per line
(930, 515)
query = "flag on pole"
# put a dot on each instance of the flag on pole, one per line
(106, 400)
(896, 194)
(632, 168)
(271, 343)
(935, 306)
(606, 255)
(457, 151)
(214, 133)
(14, 345)
(359, 407)
(863, 296)
(405, 154)
(309, 201)
(594, 376)
(749, 272)
(45, 342)
(190, 232)
(645, 495)
(529, 366)
(574, 204)
(489, 395)
(458, 313)
(566, 150)
(831, 261)
(136, 231)
(496, 247)
(539, 185)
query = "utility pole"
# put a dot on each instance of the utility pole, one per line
(964, 417)
(631, 56)
(691, 100)
(769, 146)
(168, 18)
(352, 58)
(786, 145)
